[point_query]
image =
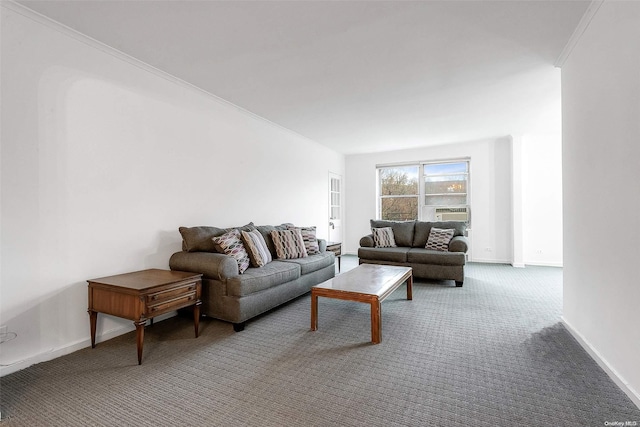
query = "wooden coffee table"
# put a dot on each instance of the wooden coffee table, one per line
(143, 295)
(370, 283)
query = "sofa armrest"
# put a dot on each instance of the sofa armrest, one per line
(367, 241)
(459, 244)
(211, 265)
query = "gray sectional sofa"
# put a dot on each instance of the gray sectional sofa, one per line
(411, 238)
(233, 297)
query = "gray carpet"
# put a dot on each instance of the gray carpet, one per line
(492, 353)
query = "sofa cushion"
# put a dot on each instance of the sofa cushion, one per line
(383, 237)
(309, 238)
(198, 239)
(289, 243)
(256, 248)
(428, 256)
(439, 239)
(313, 262)
(422, 229)
(402, 230)
(231, 244)
(398, 254)
(257, 279)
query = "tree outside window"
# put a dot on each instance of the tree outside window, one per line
(399, 193)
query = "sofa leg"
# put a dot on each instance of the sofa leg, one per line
(458, 284)
(238, 327)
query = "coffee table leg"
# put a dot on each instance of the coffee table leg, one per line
(140, 338)
(410, 288)
(376, 322)
(314, 311)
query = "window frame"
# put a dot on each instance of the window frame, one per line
(422, 194)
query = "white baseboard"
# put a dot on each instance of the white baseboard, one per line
(54, 353)
(602, 362)
(61, 351)
(490, 261)
(545, 264)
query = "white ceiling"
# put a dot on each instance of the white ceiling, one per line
(357, 76)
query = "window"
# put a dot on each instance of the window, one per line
(399, 192)
(334, 198)
(408, 192)
(445, 184)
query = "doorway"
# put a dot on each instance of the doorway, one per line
(335, 207)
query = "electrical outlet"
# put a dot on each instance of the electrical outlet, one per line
(487, 249)
(539, 251)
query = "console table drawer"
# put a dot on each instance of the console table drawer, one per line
(336, 248)
(170, 294)
(173, 304)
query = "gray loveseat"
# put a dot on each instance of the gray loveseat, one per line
(233, 297)
(411, 238)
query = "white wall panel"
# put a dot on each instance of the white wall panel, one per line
(601, 171)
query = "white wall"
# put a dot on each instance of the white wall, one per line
(601, 172)
(103, 160)
(542, 199)
(490, 186)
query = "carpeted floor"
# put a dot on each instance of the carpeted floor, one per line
(492, 353)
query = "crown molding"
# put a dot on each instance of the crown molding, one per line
(577, 33)
(89, 41)
(105, 48)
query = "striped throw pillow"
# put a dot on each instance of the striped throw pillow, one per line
(383, 237)
(289, 244)
(231, 245)
(257, 248)
(439, 239)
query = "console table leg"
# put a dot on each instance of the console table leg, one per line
(376, 322)
(140, 338)
(93, 317)
(196, 318)
(314, 311)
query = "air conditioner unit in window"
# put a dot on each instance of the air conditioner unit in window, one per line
(453, 214)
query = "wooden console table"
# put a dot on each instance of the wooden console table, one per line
(143, 295)
(336, 248)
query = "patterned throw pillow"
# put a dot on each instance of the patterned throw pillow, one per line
(383, 237)
(310, 239)
(257, 248)
(439, 239)
(231, 244)
(289, 244)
